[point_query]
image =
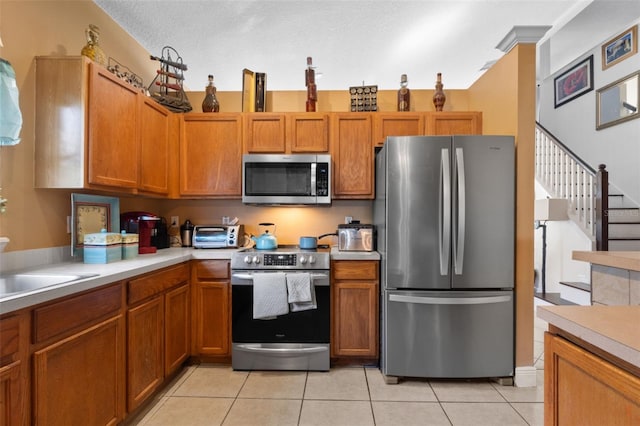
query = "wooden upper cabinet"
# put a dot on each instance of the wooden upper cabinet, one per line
(352, 152)
(264, 133)
(211, 155)
(397, 124)
(454, 123)
(307, 132)
(156, 146)
(113, 130)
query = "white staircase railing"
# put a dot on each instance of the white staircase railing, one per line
(564, 175)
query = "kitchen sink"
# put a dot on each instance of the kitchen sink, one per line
(17, 283)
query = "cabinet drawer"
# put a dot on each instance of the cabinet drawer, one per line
(355, 270)
(9, 340)
(76, 312)
(212, 269)
(157, 282)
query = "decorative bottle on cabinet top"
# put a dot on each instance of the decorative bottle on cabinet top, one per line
(439, 97)
(404, 95)
(210, 102)
(92, 49)
(310, 82)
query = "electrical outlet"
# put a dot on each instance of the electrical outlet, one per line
(175, 220)
(348, 219)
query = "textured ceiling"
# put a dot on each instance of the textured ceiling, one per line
(351, 41)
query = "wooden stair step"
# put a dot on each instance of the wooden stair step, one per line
(577, 284)
(553, 298)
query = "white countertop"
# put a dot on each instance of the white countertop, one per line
(124, 269)
(614, 329)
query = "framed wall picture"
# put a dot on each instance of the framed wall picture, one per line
(620, 47)
(574, 82)
(618, 102)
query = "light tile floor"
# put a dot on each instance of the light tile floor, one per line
(216, 395)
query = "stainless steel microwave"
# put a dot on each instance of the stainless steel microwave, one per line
(286, 179)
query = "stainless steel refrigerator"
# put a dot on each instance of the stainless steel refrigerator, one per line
(445, 216)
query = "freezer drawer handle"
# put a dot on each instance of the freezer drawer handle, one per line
(449, 300)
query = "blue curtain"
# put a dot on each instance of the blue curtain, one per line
(10, 115)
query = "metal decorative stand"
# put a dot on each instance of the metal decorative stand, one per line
(166, 87)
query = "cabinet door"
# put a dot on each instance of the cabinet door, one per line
(397, 124)
(264, 133)
(308, 132)
(211, 312)
(177, 328)
(113, 130)
(454, 123)
(351, 144)
(11, 412)
(145, 362)
(155, 144)
(581, 388)
(211, 155)
(80, 380)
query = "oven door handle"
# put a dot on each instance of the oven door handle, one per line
(249, 276)
(280, 351)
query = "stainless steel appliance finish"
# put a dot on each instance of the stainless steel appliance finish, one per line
(218, 236)
(355, 237)
(445, 215)
(294, 341)
(286, 179)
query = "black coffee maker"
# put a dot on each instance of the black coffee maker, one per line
(152, 230)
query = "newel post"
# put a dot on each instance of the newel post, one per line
(602, 208)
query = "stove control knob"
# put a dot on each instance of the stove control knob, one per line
(247, 260)
(256, 260)
(303, 260)
(312, 259)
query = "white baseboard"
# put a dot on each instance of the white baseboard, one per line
(525, 377)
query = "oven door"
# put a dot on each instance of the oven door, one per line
(310, 326)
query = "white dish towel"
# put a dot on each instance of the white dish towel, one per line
(269, 295)
(302, 295)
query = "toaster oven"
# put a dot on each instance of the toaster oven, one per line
(218, 236)
(356, 237)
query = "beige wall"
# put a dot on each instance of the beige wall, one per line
(37, 218)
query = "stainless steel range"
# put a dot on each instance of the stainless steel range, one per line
(280, 309)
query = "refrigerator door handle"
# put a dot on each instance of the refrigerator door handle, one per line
(458, 241)
(425, 300)
(444, 220)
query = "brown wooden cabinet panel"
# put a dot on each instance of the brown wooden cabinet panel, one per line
(308, 132)
(211, 155)
(80, 380)
(14, 370)
(11, 396)
(354, 303)
(113, 130)
(68, 315)
(582, 388)
(264, 133)
(397, 124)
(211, 308)
(352, 151)
(454, 123)
(177, 328)
(155, 147)
(145, 344)
(157, 282)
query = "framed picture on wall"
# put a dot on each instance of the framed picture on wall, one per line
(574, 82)
(620, 47)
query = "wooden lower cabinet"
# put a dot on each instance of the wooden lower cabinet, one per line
(355, 288)
(80, 379)
(211, 308)
(14, 370)
(582, 388)
(145, 362)
(177, 328)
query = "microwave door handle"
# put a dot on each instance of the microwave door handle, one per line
(313, 178)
